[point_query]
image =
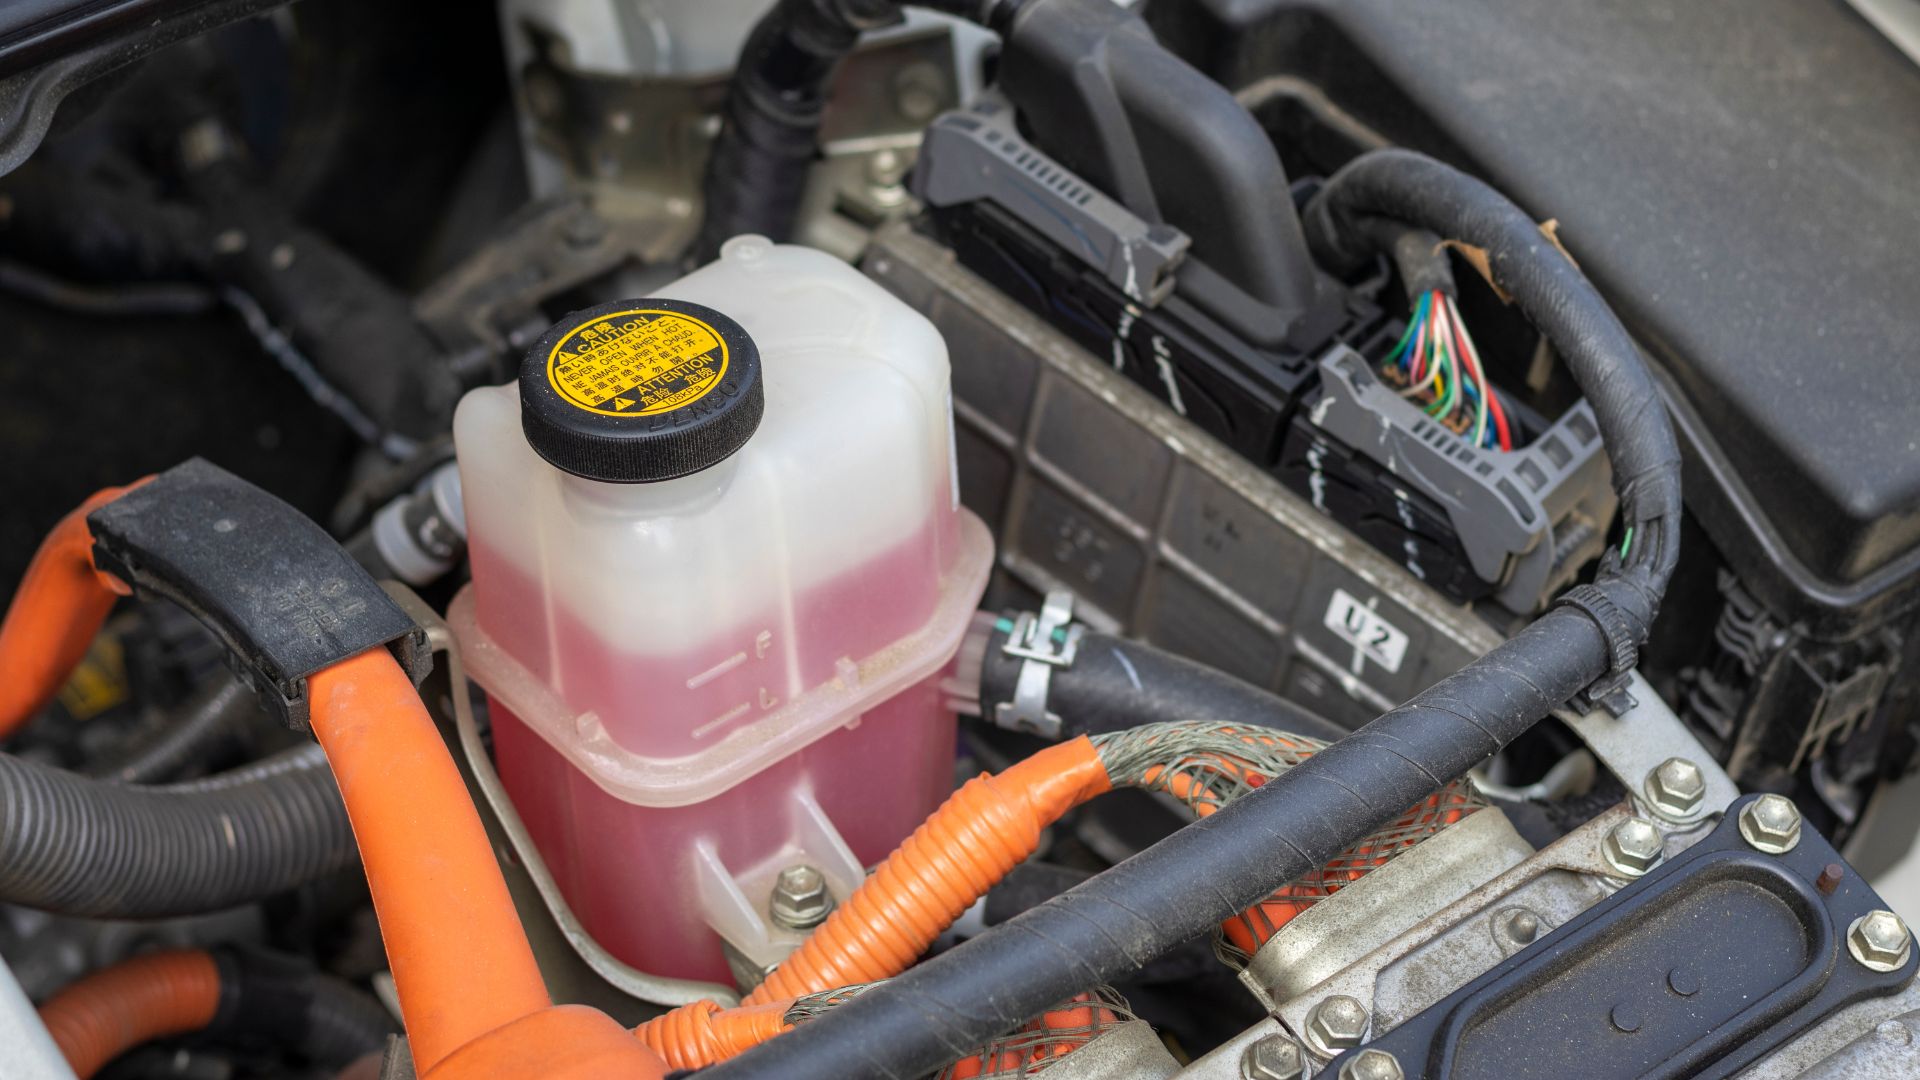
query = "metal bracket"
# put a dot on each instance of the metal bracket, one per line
(1032, 640)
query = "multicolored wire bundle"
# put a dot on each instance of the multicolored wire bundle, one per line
(1437, 360)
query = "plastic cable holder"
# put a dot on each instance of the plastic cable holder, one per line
(279, 593)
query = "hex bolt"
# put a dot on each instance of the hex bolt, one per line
(801, 900)
(1676, 787)
(1272, 1057)
(1771, 823)
(1632, 847)
(1880, 941)
(1337, 1023)
(1372, 1065)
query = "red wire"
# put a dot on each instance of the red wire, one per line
(1420, 348)
(1479, 376)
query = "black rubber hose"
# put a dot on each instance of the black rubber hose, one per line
(1114, 684)
(78, 846)
(283, 1003)
(212, 718)
(1186, 884)
(770, 128)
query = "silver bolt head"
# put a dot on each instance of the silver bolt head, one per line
(1273, 1057)
(1632, 847)
(1522, 926)
(1372, 1065)
(1880, 940)
(1676, 786)
(801, 900)
(1771, 823)
(1336, 1024)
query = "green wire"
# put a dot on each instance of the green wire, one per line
(1626, 542)
(1413, 323)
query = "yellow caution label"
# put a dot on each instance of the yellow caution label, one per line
(637, 363)
(99, 681)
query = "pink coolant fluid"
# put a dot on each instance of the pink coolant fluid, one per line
(619, 865)
(699, 676)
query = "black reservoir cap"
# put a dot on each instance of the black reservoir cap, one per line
(638, 391)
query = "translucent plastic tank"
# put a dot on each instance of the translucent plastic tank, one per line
(699, 680)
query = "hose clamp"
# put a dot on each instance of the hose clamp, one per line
(1609, 691)
(1042, 642)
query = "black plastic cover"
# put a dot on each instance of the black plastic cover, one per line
(278, 592)
(1697, 970)
(1738, 178)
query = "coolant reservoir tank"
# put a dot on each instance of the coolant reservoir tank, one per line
(719, 574)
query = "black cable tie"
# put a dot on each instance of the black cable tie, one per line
(1609, 691)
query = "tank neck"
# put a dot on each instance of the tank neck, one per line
(678, 497)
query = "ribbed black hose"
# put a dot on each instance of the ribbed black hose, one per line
(770, 130)
(1185, 885)
(78, 846)
(1114, 684)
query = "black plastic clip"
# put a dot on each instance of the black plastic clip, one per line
(278, 592)
(1609, 691)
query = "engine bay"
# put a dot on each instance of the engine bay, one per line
(1219, 539)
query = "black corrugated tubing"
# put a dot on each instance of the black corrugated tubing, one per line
(78, 846)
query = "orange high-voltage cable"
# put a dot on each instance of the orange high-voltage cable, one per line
(54, 615)
(983, 830)
(116, 1009)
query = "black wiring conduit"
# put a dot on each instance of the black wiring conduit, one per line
(1186, 884)
(219, 716)
(78, 846)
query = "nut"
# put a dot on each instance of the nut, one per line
(1274, 1057)
(1880, 941)
(1676, 787)
(1632, 847)
(1771, 823)
(1372, 1065)
(800, 898)
(1336, 1024)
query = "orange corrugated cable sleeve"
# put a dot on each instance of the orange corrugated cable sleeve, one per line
(702, 1034)
(460, 960)
(116, 1009)
(982, 831)
(55, 613)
